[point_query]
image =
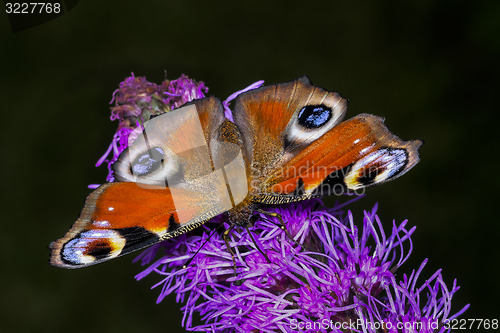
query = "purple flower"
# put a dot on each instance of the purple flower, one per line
(137, 100)
(182, 90)
(332, 273)
(227, 111)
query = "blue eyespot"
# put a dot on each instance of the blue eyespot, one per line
(314, 116)
(148, 162)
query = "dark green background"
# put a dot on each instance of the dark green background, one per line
(429, 67)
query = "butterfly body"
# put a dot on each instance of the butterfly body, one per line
(287, 143)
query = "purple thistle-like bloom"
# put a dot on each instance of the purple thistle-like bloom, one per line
(332, 274)
(137, 100)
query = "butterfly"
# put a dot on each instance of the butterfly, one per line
(288, 142)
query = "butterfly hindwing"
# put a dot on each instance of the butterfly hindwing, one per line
(355, 154)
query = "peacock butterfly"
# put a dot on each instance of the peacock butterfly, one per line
(287, 143)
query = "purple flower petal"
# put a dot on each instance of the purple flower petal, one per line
(136, 100)
(340, 271)
(228, 113)
(335, 268)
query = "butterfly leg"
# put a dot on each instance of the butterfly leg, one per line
(257, 245)
(225, 236)
(282, 226)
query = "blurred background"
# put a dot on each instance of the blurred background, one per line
(430, 67)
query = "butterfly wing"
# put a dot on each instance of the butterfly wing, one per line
(174, 178)
(119, 218)
(287, 144)
(310, 152)
(270, 117)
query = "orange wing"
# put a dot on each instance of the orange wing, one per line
(268, 120)
(119, 218)
(297, 147)
(356, 153)
(190, 151)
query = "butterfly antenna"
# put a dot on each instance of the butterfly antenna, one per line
(146, 139)
(201, 247)
(141, 122)
(225, 236)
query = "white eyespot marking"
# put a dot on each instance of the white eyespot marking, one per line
(364, 150)
(376, 167)
(93, 245)
(156, 156)
(148, 162)
(102, 224)
(111, 209)
(312, 121)
(151, 166)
